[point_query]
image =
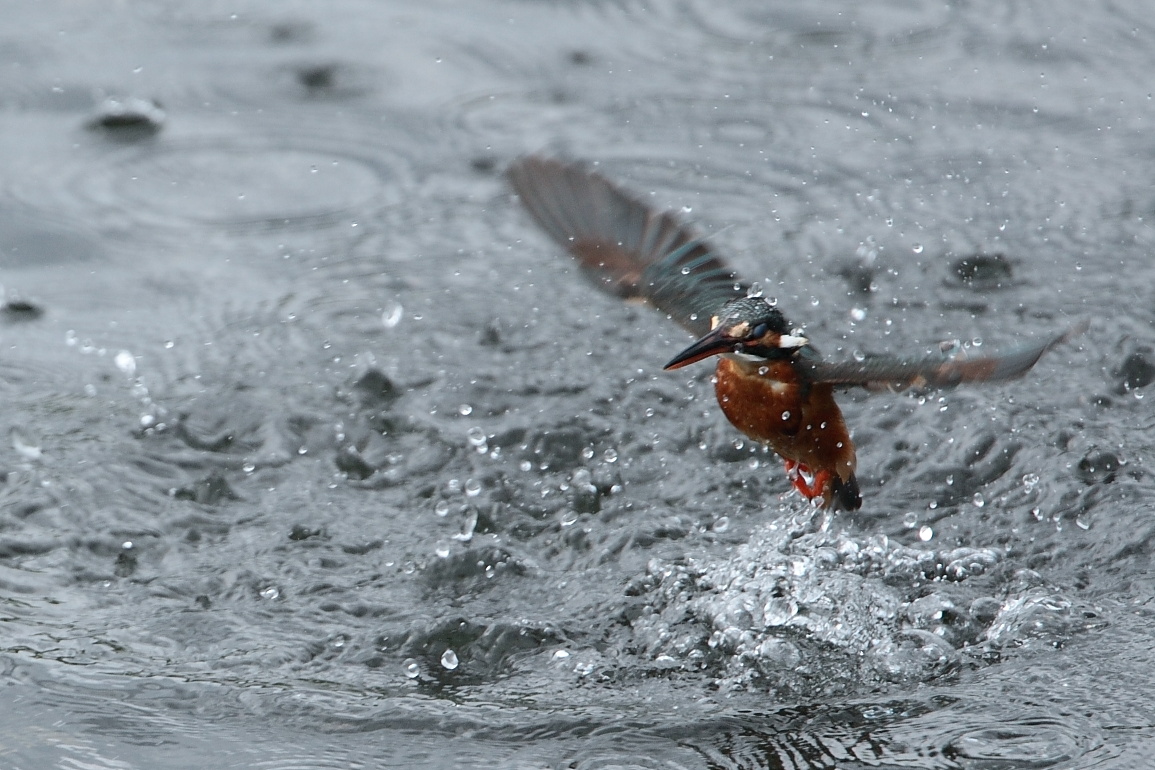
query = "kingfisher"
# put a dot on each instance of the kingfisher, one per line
(770, 382)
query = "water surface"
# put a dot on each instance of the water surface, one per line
(320, 455)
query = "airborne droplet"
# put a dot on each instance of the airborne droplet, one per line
(126, 363)
(391, 316)
(476, 437)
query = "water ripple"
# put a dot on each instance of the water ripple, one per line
(239, 186)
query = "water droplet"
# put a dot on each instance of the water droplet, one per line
(721, 524)
(391, 316)
(126, 363)
(126, 545)
(22, 446)
(472, 487)
(248, 467)
(525, 465)
(449, 660)
(442, 508)
(476, 438)
(412, 670)
(560, 654)
(1030, 481)
(978, 500)
(763, 370)
(441, 550)
(910, 520)
(1082, 521)
(468, 525)
(950, 480)
(271, 592)
(755, 290)
(685, 271)
(858, 314)
(925, 533)
(610, 455)
(588, 453)
(785, 415)
(917, 248)
(814, 301)
(858, 356)
(465, 410)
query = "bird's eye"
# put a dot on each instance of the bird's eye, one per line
(759, 331)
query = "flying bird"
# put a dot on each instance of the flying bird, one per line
(770, 382)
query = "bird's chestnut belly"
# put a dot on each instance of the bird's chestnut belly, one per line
(800, 422)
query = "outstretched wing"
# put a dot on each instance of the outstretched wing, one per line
(885, 372)
(626, 248)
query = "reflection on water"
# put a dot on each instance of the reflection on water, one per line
(315, 454)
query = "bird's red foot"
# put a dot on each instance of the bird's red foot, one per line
(797, 472)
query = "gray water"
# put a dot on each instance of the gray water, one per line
(317, 454)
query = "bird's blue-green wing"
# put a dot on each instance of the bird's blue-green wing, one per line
(626, 248)
(895, 373)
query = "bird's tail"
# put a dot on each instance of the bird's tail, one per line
(845, 494)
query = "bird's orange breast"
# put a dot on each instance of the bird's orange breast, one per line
(800, 421)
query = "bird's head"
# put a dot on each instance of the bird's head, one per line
(750, 326)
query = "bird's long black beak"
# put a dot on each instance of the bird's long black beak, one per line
(719, 341)
(712, 344)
